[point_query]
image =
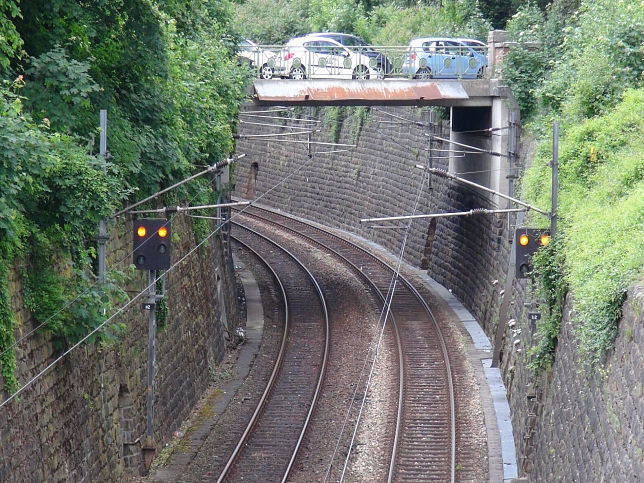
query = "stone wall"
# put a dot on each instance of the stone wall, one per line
(573, 423)
(85, 419)
(379, 178)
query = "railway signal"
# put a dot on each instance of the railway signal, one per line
(527, 242)
(151, 244)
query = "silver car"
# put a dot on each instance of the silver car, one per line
(257, 58)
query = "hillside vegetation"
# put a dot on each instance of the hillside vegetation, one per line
(166, 73)
(580, 62)
(589, 76)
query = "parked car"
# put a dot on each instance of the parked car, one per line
(378, 60)
(447, 58)
(257, 58)
(315, 56)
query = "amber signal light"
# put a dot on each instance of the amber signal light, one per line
(544, 240)
(141, 231)
(523, 240)
(163, 232)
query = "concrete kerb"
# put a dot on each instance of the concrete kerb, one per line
(179, 461)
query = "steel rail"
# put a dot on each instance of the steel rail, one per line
(276, 368)
(415, 292)
(383, 299)
(273, 377)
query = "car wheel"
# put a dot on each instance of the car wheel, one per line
(266, 72)
(298, 73)
(380, 72)
(361, 72)
(423, 74)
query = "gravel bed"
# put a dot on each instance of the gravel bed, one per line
(354, 313)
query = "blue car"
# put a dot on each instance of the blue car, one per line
(444, 58)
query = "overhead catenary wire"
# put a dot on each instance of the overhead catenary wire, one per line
(249, 136)
(410, 121)
(209, 169)
(445, 174)
(267, 124)
(468, 146)
(475, 211)
(276, 109)
(145, 290)
(281, 118)
(313, 142)
(180, 209)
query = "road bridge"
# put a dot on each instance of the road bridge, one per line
(484, 116)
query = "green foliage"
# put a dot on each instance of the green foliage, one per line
(588, 53)
(334, 15)
(549, 266)
(526, 62)
(360, 115)
(166, 73)
(7, 325)
(378, 22)
(49, 290)
(601, 213)
(56, 87)
(273, 22)
(10, 41)
(390, 25)
(333, 119)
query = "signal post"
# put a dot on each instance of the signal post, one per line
(151, 252)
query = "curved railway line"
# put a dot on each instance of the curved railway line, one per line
(268, 446)
(424, 438)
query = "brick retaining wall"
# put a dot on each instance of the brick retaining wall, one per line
(85, 419)
(379, 178)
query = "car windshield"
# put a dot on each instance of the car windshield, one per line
(473, 43)
(357, 42)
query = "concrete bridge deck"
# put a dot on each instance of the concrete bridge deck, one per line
(401, 92)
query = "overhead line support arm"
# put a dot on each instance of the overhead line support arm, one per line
(445, 174)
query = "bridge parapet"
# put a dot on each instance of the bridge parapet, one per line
(315, 58)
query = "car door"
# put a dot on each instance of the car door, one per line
(327, 59)
(462, 61)
(445, 60)
(472, 61)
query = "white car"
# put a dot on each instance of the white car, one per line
(257, 58)
(321, 57)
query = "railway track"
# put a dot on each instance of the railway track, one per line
(424, 439)
(270, 442)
